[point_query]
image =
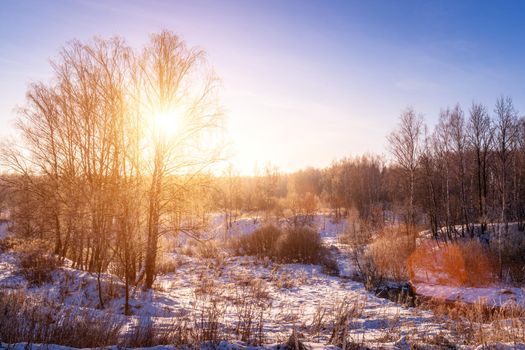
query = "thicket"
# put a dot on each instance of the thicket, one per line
(290, 245)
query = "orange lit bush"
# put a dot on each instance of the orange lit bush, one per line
(391, 249)
(453, 264)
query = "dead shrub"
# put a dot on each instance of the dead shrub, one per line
(437, 340)
(206, 285)
(203, 325)
(357, 232)
(358, 239)
(141, 335)
(208, 319)
(207, 250)
(345, 311)
(329, 265)
(455, 264)
(187, 250)
(382, 255)
(299, 245)
(85, 328)
(295, 342)
(283, 280)
(369, 272)
(390, 251)
(293, 245)
(166, 265)
(36, 261)
(318, 321)
(146, 333)
(260, 242)
(251, 306)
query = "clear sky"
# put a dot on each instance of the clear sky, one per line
(304, 82)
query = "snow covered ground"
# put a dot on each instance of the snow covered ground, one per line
(285, 297)
(491, 296)
(295, 296)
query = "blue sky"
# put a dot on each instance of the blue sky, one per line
(304, 82)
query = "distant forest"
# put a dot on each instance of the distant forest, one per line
(465, 173)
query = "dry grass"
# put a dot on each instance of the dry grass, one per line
(144, 334)
(251, 306)
(344, 313)
(7, 243)
(477, 324)
(283, 279)
(319, 319)
(36, 320)
(207, 250)
(390, 251)
(167, 265)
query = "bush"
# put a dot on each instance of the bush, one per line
(260, 242)
(294, 245)
(7, 243)
(329, 265)
(455, 264)
(391, 250)
(301, 245)
(36, 262)
(166, 265)
(207, 250)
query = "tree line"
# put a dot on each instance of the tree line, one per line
(467, 172)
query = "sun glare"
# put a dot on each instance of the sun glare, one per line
(168, 123)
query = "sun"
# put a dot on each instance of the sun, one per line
(168, 123)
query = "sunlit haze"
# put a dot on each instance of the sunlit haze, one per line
(303, 84)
